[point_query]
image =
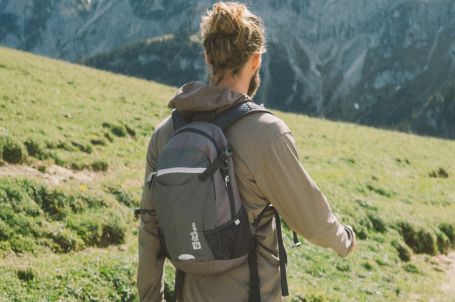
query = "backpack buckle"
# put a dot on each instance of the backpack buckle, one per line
(226, 154)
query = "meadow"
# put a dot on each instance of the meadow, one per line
(72, 158)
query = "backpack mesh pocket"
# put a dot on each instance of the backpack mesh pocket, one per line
(231, 240)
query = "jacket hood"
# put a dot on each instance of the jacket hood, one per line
(198, 97)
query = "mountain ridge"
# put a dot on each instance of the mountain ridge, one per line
(375, 63)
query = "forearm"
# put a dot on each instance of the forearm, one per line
(150, 270)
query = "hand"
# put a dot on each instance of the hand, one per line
(351, 233)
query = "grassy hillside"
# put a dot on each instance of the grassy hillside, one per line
(73, 144)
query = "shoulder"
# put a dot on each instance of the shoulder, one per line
(163, 130)
(159, 138)
(260, 125)
(259, 128)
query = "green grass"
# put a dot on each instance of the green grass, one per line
(76, 241)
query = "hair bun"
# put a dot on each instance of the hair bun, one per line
(226, 18)
(230, 33)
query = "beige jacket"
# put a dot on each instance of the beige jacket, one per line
(268, 170)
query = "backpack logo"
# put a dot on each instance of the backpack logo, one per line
(195, 237)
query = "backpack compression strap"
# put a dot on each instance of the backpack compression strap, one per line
(281, 254)
(237, 112)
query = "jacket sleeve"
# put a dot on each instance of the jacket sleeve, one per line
(150, 279)
(286, 184)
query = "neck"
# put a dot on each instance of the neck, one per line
(238, 84)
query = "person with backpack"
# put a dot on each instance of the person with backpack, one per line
(221, 171)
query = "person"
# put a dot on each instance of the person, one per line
(267, 166)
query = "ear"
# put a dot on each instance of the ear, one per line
(206, 59)
(256, 61)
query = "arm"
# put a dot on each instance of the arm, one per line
(150, 271)
(284, 182)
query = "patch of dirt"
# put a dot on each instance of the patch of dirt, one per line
(448, 263)
(54, 175)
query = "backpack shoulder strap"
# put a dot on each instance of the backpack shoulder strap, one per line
(178, 120)
(237, 112)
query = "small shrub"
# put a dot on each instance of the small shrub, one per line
(100, 165)
(13, 151)
(349, 160)
(50, 145)
(113, 232)
(90, 201)
(380, 191)
(25, 275)
(404, 252)
(35, 149)
(449, 230)
(382, 262)
(106, 125)
(96, 230)
(54, 204)
(440, 173)
(65, 146)
(88, 229)
(122, 197)
(42, 168)
(5, 231)
(57, 160)
(66, 240)
(411, 268)
(78, 166)
(377, 223)
(86, 148)
(368, 266)
(309, 298)
(98, 141)
(118, 130)
(443, 242)
(405, 160)
(4, 246)
(361, 232)
(109, 137)
(343, 267)
(427, 242)
(2, 162)
(130, 131)
(421, 241)
(21, 244)
(366, 204)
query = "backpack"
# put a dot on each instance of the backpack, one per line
(203, 225)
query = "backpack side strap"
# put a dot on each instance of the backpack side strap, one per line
(281, 248)
(237, 112)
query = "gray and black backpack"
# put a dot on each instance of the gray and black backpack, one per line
(203, 225)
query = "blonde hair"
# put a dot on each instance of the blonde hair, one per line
(230, 33)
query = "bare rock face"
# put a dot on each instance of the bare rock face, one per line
(387, 63)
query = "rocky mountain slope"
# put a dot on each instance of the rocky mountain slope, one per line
(386, 63)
